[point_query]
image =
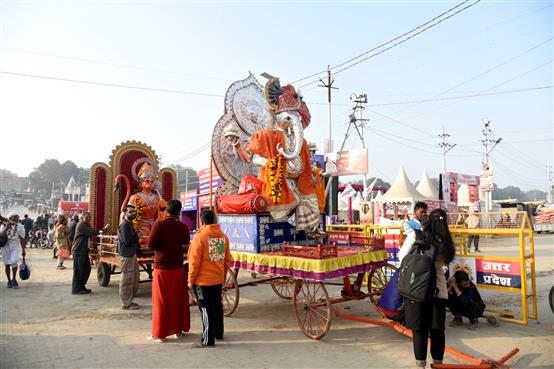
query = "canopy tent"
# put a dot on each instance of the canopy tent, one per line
(402, 191)
(427, 188)
(343, 204)
(357, 201)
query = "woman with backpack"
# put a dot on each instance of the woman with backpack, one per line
(426, 318)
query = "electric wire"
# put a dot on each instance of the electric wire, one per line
(463, 96)
(522, 153)
(388, 42)
(193, 93)
(193, 153)
(515, 177)
(92, 61)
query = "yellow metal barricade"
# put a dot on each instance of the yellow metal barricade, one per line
(508, 273)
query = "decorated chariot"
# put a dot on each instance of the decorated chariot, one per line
(131, 177)
(271, 208)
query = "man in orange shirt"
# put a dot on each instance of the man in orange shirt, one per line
(209, 258)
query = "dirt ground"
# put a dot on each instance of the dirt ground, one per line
(44, 326)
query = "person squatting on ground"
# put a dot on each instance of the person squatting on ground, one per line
(427, 318)
(170, 299)
(209, 258)
(10, 252)
(464, 300)
(62, 242)
(410, 226)
(128, 248)
(79, 249)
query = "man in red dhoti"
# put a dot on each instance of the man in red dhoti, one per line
(170, 299)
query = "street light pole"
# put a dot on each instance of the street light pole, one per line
(486, 143)
(446, 147)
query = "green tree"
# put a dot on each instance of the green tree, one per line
(52, 173)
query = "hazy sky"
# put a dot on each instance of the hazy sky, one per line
(503, 48)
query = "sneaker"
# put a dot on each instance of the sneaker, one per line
(477, 250)
(180, 335)
(9, 284)
(14, 284)
(456, 322)
(130, 307)
(474, 324)
(155, 339)
(61, 267)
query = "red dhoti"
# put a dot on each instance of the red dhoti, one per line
(170, 303)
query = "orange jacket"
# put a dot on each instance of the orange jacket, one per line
(208, 256)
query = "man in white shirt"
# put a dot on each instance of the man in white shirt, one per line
(472, 222)
(10, 252)
(410, 226)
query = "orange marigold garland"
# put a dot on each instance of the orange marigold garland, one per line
(274, 177)
(138, 218)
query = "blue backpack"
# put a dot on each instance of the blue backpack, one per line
(390, 299)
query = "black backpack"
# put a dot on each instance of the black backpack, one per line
(417, 278)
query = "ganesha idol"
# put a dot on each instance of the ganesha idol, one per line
(149, 204)
(262, 133)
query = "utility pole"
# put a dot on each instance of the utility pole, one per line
(186, 180)
(358, 124)
(446, 147)
(333, 180)
(488, 141)
(550, 183)
(329, 86)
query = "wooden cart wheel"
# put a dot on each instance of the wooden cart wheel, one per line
(284, 287)
(312, 308)
(376, 282)
(103, 273)
(230, 293)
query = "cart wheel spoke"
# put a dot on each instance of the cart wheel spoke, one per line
(377, 280)
(283, 287)
(312, 308)
(230, 293)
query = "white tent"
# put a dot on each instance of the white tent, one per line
(402, 191)
(343, 204)
(357, 202)
(426, 187)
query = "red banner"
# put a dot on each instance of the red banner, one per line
(348, 162)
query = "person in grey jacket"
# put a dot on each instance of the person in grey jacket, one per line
(72, 227)
(128, 249)
(79, 249)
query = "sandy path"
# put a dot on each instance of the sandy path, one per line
(43, 325)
